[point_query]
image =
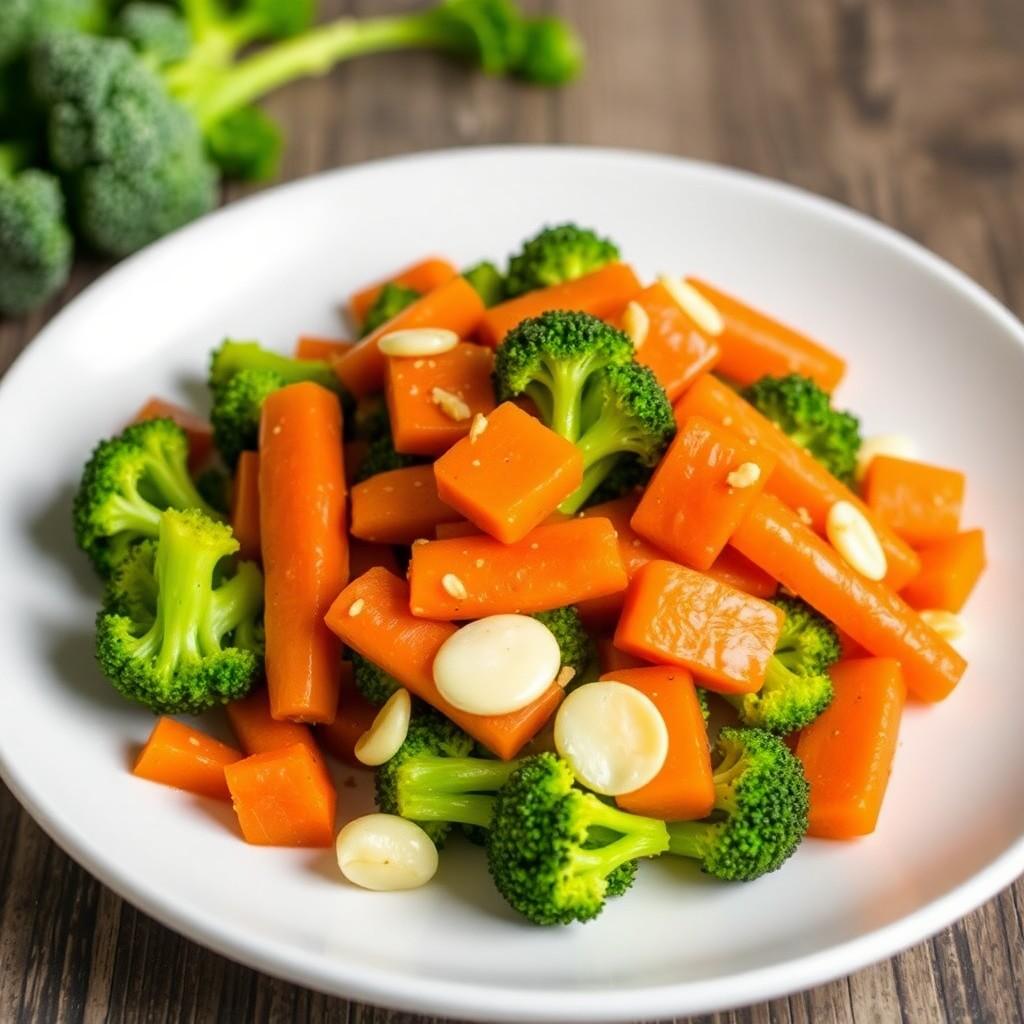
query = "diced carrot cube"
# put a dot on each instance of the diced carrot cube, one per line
(921, 503)
(310, 346)
(949, 570)
(178, 755)
(399, 506)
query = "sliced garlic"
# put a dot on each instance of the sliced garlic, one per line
(421, 341)
(636, 323)
(702, 312)
(381, 741)
(613, 737)
(850, 533)
(899, 446)
(497, 665)
(385, 853)
(948, 625)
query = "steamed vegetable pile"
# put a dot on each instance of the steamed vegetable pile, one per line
(118, 120)
(588, 572)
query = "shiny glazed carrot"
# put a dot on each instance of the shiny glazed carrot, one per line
(399, 506)
(733, 568)
(423, 276)
(245, 506)
(919, 502)
(310, 346)
(949, 571)
(178, 755)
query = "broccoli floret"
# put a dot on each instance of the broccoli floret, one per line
(555, 359)
(24, 22)
(156, 31)
(421, 781)
(129, 480)
(246, 145)
(760, 812)
(132, 588)
(574, 642)
(541, 849)
(702, 700)
(488, 282)
(234, 356)
(390, 301)
(797, 687)
(35, 244)
(803, 411)
(557, 254)
(184, 656)
(372, 681)
(552, 55)
(235, 412)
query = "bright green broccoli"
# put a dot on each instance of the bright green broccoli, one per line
(488, 282)
(574, 642)
(542, 849)
(797, 687)
(428, 780)
(555, 359)
(803, 411)
(557, 254)
(233, 356)
(390, 301)
(196, 646)
(372, 681)
(156, 31)
(129, 480)
(760, 812)
(35, 244)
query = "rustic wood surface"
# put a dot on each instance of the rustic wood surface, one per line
(910, 110)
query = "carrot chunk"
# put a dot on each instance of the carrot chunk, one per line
(197, 430)
(309, 346)
(355, 715)
(424, 421)
(676, 616)
(919, 502)
(470, 577)
(258, 732)
(511, 477)
(700, 491)
(740, 572)
(423, 276)
(949, 571)
(399, 506)
(847, 752)
(283, 798)
(683, 789)
(245, 505)
(178, 755)
(372, 616)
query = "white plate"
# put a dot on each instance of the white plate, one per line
(929, 352)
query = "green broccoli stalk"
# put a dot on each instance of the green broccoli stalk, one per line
(372, 681)
(554, 359)
(574, 642)
(233, 356)
(556, 255)
(760, 811)
(390, 301)
(553, 848)
(185, 655)
(803, 411)
(797, 687)
(126, 484)
(35, 244)
(488, 282)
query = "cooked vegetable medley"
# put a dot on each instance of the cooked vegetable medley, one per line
(587, 572)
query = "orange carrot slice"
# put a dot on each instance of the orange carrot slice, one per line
(185, 758)
(949, 571)
(310, 346)
(423, 276)
(921, 503)
(399, 506)
(258, 732)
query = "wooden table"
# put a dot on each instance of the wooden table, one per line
(910, 110)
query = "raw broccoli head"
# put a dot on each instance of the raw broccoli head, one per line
(574, 642)
(129, 480)
(631, 417)
(803, 411)
(23, 22)
(555, 359)
(35, 244)
(541, 851)
(760, 812)
(246, 145)
(156, 31)
(390, 301)
(184, 656)
(421, 795)
(235, 412)
(558, 254)
(372, 681)
(488, 282)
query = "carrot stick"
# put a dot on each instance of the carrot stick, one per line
(798, 479)
(847, 752)
(310, 346)
(733, 568)
(455, 306)
(245, 505)
(424, 276)
(470, 577)
(305, 547)
(676, 616)
(949, 571)
(690, 506)
(754, 344)
(921, 503)
(419, 423)
(600, 293)
(399, 506)
(511, 477)
(283, 798)
(773, 537)
(682, 790)
(197, 430)
(675, 347)
(355, 716)
(185, 758)
(372, 616)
